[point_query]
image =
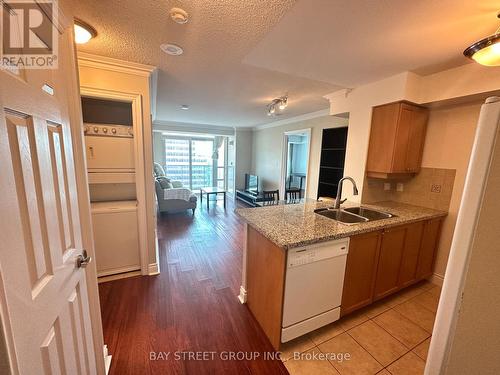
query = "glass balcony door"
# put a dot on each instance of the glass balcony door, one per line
(190, 160)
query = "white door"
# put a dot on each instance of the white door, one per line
(43, 295)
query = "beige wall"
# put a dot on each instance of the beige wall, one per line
(268, 145)
(450, 136)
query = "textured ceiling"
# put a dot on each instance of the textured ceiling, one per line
(240, 54)
(355, 42)
(209, 76)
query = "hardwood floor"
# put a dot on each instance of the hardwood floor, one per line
(190, 307)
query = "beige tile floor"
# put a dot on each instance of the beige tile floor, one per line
(391, 336)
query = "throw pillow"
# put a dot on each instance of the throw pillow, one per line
(165, 182)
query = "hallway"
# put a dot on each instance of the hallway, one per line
(190, 307)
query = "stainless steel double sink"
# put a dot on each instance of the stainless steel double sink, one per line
(353, 215)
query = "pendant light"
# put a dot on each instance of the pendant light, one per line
(487, 50)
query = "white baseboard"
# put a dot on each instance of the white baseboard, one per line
(104, 279)
(107, 359)
(243, 295)
(153, 269)
(437, 279)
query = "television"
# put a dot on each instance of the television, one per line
(251, 183)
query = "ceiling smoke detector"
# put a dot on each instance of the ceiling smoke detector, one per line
(172, 49)
(179, 16)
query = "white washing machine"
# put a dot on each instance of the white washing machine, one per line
(116, 237)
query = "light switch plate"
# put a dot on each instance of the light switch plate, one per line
(387, 186)
(400, 186)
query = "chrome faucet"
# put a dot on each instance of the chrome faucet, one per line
(339, 191)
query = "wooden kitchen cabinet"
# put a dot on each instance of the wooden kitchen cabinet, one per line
(430, 242)
(396, 140)
(409, 261)
(360, 271)
(389, 264)
(384, 262)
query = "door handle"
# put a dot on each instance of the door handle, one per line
(83, 259)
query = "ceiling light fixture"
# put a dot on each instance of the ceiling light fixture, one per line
(185, 107)
(179, 16)
(277, 104)
(487, 50)
(172, 49)
(83, 32)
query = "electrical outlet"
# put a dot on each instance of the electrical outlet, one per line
(435, 188)
(400, 186)
(387, 186)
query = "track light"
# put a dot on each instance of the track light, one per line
(278, 103)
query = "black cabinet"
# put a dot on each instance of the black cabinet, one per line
(331, 169)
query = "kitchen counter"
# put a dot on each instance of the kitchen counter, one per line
(296, 225)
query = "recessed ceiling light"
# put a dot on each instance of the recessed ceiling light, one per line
(83, 32)
(179, 15)
(487, 50)
(185, 107)
(172, 49)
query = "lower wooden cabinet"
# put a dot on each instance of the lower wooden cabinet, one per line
(360, 272)
(383, 262)
(430, 241)
(409, 261)
(389, 263)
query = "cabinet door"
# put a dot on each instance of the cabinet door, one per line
(416, 137)
(413, 240)
(410, 138)
(391, 253)
(428, 248)
(382, 138)
(360, 271)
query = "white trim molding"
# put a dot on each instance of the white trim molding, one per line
(107, 359)
(153, 269)
(114, 65)
(243, 295)
(304, 117)
(437, 279)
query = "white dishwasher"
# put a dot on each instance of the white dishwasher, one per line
(313, 287)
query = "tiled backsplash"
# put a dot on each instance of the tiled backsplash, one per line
(431, 188)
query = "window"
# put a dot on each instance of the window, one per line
(190, 160)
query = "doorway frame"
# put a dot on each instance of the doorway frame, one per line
(284, 159)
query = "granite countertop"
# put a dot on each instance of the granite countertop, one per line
(297, 225)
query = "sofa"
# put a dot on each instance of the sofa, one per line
(171, 195)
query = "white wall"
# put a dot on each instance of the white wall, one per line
(158, 148)
(268, 148)
(243, 158)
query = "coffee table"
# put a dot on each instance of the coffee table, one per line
(212, 190)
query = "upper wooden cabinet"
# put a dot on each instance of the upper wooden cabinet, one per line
(396, 140)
